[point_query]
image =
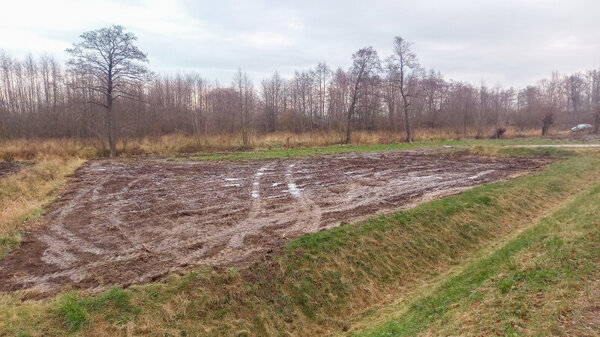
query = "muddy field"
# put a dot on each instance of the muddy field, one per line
(123, 222)
(10, 167)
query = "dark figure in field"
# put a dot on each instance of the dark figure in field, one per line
(548, 120)
(499, 133)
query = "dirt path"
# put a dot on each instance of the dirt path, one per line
(130, 222)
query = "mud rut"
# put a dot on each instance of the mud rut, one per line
(8, 168)
(123, 222)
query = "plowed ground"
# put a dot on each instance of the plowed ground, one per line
(123, 222)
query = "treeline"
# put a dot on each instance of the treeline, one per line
(39, 97)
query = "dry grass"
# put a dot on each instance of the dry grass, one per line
(48, 149)
(24, 195)
(171, 144)
(233, 142)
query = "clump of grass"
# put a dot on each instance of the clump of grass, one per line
(115, 305)
(72, 311)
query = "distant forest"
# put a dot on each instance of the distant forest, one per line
(42, 98)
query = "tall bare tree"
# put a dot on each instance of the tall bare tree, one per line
(115, 66)
(364, 63)
(245, 92)
(406, 68)
(322, 73)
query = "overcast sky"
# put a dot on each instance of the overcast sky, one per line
(507, 42)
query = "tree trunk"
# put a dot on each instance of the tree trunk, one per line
(391, 112)
(406, 105)
(409, 133)
(349, 124)
(548, 120)
(111, 132)
(351, 112)
(110, 121)
(597, 123)
(465, 120)
(245, 139)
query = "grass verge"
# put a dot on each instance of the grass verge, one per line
(527, 287)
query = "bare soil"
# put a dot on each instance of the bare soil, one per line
(10, 167)
(124, 222)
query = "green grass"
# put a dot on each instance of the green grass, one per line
(553, 268)
(507, 151)
(8, 243)
(311, 151)
(115, 305)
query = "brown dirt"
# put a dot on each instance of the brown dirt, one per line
(123, 222)
(10, 167)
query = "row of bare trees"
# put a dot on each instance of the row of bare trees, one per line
(105, 90)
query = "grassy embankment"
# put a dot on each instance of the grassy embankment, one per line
(24, 195)
(544, 282)
(328, 282)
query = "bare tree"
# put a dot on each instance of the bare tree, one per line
(115, 65)
(245, 92)
(554, 98)
(322, 73)
(364, 63)
(407, 68)
(272, 92)
(390, 90)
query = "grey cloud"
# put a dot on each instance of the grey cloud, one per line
(514, 42)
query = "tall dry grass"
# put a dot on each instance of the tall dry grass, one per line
(176, 143)
(24, 195)
(47, 149)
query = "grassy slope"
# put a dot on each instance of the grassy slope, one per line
(321, 282)
(530, 286)
(24, 195)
